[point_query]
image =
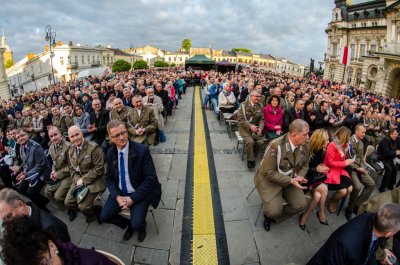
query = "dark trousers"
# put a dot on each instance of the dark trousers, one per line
(5, 174)
(389, 178)
(109, 214)
(33, 193)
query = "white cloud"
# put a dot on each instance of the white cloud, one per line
(287, 28)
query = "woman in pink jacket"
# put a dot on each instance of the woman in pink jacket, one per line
(273, 117)
(338, 179)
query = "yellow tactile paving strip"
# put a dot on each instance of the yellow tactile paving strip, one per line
(204, 248)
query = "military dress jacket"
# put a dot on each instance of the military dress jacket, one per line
(120, 116)
(253, 115)
(279, 165)
(88, 165)
(147, 120)
(60, 123)
(357, 152)
(59, 155)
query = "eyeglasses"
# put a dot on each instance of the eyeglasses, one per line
(47, 260)
(118, 135)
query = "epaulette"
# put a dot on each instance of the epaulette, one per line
(92, 143)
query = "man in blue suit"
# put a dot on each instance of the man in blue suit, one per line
(356, 242)
(131, 180)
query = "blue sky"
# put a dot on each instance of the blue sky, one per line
(286, 28)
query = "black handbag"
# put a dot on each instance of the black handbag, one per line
(316, 177)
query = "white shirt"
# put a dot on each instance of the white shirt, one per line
(292, 146)
(139, 111)
(125, 151)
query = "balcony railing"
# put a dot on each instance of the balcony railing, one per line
(72, 65)
(96, 63)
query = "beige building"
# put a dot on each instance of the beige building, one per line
(371, 30)
(178, 58)
(4, 91)
(148, 53)
(7, 54)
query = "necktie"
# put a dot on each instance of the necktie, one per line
(23, 153)
(371, 251)
(122, 174)
(78, 151)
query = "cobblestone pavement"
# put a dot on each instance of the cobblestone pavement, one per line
(248, 243)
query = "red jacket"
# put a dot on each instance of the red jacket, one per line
(271, 119)
(336, 163)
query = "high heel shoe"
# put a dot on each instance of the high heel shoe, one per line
(302, 227)
(321, 222)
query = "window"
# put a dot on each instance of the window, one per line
(83, 59)
(88, 59)
(169, 59)
(373, 48)
(334, 50)
(364, 25)
(69, 59)
(104, 59)
(354, 25)
(76, 58)
(40, 67)
(181, 59)
(352, 51)
(362, 49)
(62, 60)
(93, 58)
(336, 16)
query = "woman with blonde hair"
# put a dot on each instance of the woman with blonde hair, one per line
(338, 179)
(316, 176)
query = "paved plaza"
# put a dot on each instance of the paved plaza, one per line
(248, 243)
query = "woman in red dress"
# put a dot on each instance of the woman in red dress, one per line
(338, 179)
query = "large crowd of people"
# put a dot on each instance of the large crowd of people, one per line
(69, 142)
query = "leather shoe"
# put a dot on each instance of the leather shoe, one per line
(267, 223)
(71, 215)
(320, 221)
(251, 164)
(141, 235)
(97, 212)
(302, 227)
(348, 214)
(128, 233)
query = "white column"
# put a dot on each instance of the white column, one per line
(4, 92)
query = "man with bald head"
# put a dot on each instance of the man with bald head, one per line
(86, 160)
(98, 123)
(119, 111)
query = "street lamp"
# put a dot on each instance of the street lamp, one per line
(51, 38)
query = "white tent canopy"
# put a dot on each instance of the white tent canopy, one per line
(98, 71)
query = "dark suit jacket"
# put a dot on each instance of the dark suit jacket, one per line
(142, 174)
(50, 223)
(101, 124)
(127, 102)
(387, 149)
(348, 245)
(319, 121)
(291, 116)
(36, 162)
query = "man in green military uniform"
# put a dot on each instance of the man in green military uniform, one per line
(58, 120)
(359, 175)
(142, 123)
(281, 173)
(120, 111)
(251, 125)
(87, 169)
(60, 176)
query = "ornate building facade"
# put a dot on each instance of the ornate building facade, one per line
(371, 31)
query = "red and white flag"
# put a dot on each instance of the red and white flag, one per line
(346, 55)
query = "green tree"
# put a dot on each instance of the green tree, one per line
(160, 64)
(140, 64)
(8, 63)
(172, 65)
(241, 50)
(121, 66)
(186, 44)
